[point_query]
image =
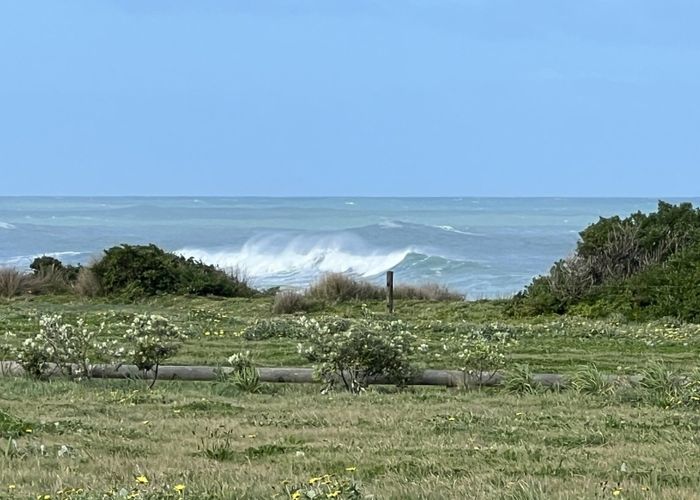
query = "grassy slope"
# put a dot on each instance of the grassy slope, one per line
(426, 443)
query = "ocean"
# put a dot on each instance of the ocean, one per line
(483, 247)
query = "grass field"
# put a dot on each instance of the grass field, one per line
(96, 437)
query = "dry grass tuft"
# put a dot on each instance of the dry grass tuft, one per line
(289, 302)
(12, 282)
(87, 284)
(47, 280)
(428, 291)
(339, 287)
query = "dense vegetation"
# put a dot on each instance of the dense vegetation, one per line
(128, 271)
(138, 270)
(644, 266)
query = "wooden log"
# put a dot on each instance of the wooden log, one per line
(445, 378)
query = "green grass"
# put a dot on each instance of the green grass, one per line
(546, 344)
(427, 443)
(96, 436)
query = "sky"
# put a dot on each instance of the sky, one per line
(350, 98)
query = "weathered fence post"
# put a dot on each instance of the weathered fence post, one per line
(390, 291)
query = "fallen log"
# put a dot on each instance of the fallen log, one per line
(290, 375)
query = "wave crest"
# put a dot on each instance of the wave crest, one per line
(266, 257)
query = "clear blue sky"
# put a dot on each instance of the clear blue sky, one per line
(350, 97)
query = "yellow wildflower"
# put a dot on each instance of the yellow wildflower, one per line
(142, 479)
(179, 488)
(12, 487)
(296, 495)
(351, 469)
(314, 480)
(333, 494)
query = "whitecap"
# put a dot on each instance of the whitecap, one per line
(264, 257)
(6, 225)
(451, 229)
(390, 224)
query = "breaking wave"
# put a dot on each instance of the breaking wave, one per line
(301, 256)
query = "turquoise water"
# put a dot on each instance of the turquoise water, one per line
(484, 247)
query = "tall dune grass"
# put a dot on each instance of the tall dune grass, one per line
(340, 287)
(12, 282)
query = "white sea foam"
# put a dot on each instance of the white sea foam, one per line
(25, 260)
(265, 257)
(6, 225)
(451, 229)
(390, 223)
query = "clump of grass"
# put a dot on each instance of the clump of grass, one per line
(289, 302)
(12, 282)
(87, 284)
(590, 380)
(43, 281)
(47, 280)
(11, 426)
(520, 380)
(665, 387)
(246, 379)
(428, 291)
(338, 287)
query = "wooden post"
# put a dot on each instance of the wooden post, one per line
(390, 291)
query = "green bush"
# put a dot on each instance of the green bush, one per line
(46, 264)
(645, 266)
(354, 351)
(143, 270)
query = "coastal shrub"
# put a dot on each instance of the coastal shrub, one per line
(150, 340)
(60, 347)
(46, 263)
(353, 351)
(481, 351)
(644, 266)
(142, 270)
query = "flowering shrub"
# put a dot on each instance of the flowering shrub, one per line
(481, 351)
(150, 340)
(353, 351)
(65, 347)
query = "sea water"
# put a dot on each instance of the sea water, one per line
(483, 247)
